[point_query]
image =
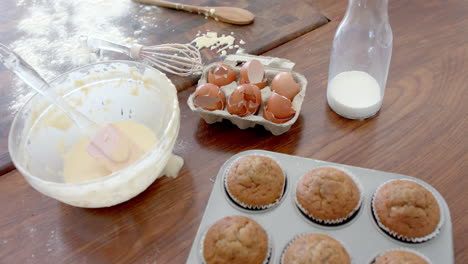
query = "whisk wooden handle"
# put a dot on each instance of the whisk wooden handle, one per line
(135, 50)
(131, 50)
(189, 8)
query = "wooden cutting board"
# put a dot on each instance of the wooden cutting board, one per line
(276, 22)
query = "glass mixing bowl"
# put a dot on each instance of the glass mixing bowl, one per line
(106, 92)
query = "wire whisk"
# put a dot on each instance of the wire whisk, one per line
(179, 59)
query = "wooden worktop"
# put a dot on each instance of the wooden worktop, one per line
(420, 131)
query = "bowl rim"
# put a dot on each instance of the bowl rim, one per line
(157, 147)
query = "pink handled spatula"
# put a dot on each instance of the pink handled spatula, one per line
(107, 143)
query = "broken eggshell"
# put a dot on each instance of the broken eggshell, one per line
(209, 97)
(221, 75)
(272, 66)
(253, 72)
(260, 85)
(285, 85)
(245, 100)
(278, 109)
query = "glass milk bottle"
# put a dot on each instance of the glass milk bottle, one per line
(360, 60)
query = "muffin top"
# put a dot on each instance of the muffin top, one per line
(255, 180)
(327, 194)
(399, 257)
(407, 208)
(235, 240)
(315, 249)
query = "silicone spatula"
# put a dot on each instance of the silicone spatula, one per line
(107, 143)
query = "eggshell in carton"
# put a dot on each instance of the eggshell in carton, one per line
(272, 67)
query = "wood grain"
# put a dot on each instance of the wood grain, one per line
(276, 22)
(421, 131)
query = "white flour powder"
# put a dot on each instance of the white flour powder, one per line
(214, 42)
(51, 31)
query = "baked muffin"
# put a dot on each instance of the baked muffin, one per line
(235, 240)
(406, 210)
(315, 249)
(400, 257)
(328, 195)
(255, 182)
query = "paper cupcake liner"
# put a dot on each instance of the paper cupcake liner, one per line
(339, 220)
(247, 206)
(395, 234)
(401, 249)
(303, 234)
(269, 245)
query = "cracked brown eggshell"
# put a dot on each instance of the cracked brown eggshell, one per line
(260, 85)
(278, 109)
(221, 75)
(285, 85)
(245, 100)
(209, 97)
(253, 72)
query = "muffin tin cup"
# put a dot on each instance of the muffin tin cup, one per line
(400, 249)
(267, 257)
(303, 234)
(339, 220)
(254, 207)
(401, 237)
(284, 221)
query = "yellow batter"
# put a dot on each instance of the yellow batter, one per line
(79, 166)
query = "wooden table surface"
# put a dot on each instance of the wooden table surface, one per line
(420, 131)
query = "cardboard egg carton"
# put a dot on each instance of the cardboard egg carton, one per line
(272, 67)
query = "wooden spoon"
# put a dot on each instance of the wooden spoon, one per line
(232, 15)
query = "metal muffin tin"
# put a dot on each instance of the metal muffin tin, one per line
(361, 236)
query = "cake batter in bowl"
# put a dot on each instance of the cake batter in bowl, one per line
(142, 101)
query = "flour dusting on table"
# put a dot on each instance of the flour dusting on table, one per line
(50, 32)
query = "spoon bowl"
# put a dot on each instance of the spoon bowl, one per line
(228, 14)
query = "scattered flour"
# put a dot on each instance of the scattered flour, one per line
(214, 42)
(50, 34)
(51, 30)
